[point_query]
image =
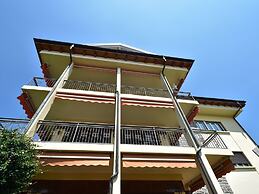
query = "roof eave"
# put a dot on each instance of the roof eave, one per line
(220, 102)
(141, 57)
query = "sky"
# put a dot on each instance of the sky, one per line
(222, 37)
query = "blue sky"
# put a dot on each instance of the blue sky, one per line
(222, 37)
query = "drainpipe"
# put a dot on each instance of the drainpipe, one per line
(115, 182)
(201, 160)
(45, 106)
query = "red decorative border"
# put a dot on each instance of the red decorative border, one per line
(192, 114)
(26, 104)
(44, 68)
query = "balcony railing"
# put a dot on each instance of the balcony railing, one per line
(53, 131)
(44, 82)
(74, 132)
(209, 139)
(142, 91)
(153, 136)
(89, 86)
(14, 124)
(105, 87)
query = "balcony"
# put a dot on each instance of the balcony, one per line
(101, 87)
(56, 131)
(140, 105)
(105, 87)
(139, 145)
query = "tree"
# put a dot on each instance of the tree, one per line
(18, 161)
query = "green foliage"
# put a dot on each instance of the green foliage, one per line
(18, 162)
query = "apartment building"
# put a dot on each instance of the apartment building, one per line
(111, 118)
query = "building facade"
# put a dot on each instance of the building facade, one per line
(112, 119)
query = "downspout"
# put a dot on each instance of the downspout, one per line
(115, 182)
(240, 107)
(70, 54)
(234, 117)
(116, 148)
(190, 132)
(44, 108)
(205, 168)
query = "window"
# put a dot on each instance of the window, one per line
(208, 125)
(240, 160)
(256, 151)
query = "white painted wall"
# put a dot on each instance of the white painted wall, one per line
(242, 180)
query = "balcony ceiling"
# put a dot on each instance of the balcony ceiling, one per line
(56, 63)
(215, 110)
(187, 175)
(78, 110)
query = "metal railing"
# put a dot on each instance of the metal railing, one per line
(44, 82)
(74, 132)
(75, 84)
(50, 131)
(89, 86)
(100, 133)
(105, 87)
(143, 91)
(153, 136)
(12, 124)
(53, 131)
(209, 139)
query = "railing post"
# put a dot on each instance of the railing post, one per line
(77, 125)
(115, 184)
(45, 106)
(90, 86)
(201, 160)
(34, 79)
(156, 138)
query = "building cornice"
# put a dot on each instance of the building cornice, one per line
(96, 51)
(220, 102)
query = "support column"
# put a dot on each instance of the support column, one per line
(45, 106)
(203, 164)
(115, 184)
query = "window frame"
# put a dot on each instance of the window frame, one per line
(241, 165)
(207, 124)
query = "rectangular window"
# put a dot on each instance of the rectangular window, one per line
(208, 125)
(240, 160)
(256, 151)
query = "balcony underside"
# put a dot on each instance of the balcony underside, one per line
(102, 187)
(148, 167)
(90, 106)
(57, 62)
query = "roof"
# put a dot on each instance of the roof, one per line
(120, 46)
(220, 102)
(118, 51)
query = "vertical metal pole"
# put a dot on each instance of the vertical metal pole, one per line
(34, 79)
(77, 125)
(205, 168)
(115, 185)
